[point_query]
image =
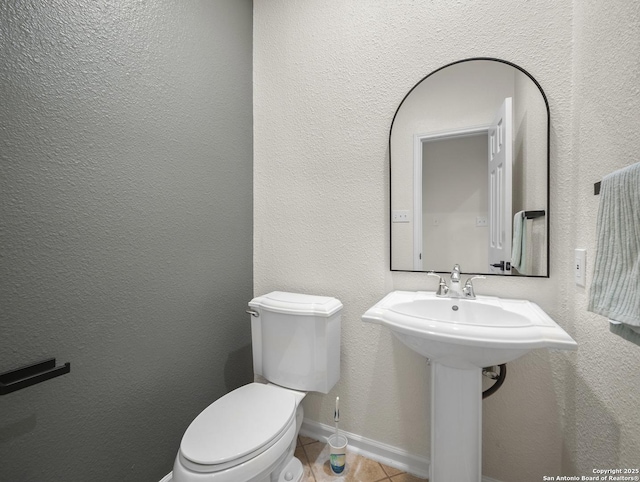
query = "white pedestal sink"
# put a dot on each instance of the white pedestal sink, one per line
(461, 337)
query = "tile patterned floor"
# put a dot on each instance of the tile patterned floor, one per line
(314, 456)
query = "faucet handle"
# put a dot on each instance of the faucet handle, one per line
(443, 289)
(468, 286)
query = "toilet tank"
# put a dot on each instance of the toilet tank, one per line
(296, 340)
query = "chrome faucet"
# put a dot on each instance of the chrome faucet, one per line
(454, 290)
(468, 291)
(443, 289)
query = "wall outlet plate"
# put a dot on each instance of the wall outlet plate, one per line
(400, 216)
(580, 267)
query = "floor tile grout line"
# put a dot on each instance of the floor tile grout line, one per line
(309, 463)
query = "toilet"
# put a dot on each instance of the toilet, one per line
(249, 435)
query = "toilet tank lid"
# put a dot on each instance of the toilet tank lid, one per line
(297, 304)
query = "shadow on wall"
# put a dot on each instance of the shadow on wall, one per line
(238, 369)
(403, 397)
(522, 424)
(587, 415)
(16, 429)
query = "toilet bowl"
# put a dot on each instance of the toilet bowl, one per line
(246, 435)
(249, 435)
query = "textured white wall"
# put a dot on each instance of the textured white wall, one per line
(602, 423)
(328, 76)
(125, 228)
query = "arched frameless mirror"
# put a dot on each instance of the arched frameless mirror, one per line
(469, 154)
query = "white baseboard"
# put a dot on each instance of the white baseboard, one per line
(371, 449)
(374, 450)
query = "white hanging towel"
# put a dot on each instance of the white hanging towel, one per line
(615, 287)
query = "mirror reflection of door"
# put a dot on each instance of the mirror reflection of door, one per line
(467, 222)
(500, 149)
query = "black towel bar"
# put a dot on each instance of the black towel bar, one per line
(31, 374)
(534, 214)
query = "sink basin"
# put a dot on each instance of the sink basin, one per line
(463, 333)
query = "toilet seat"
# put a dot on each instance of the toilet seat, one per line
(237, 427)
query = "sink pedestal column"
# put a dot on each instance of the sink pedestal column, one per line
(456, 424)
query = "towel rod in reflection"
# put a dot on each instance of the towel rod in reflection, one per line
(26, 376)
(534, 214)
